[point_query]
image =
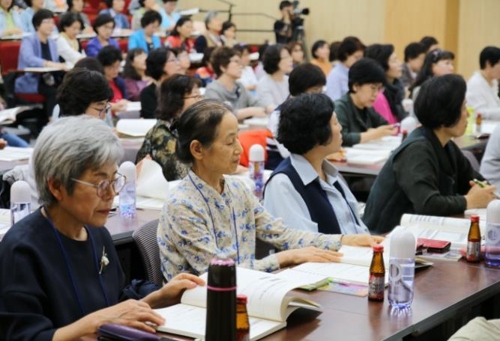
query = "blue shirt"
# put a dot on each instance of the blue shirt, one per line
(282, 200)
(120, 19)
(337, 81)
(166, 20)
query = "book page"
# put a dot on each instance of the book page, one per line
(457, 238)
(134, 127)
(150, 181)
(15, 154)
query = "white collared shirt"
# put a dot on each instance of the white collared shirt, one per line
(483, 97)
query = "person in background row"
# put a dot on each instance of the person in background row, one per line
(296, 52)
(334, 52)
(429, 43)
(437, 63)
(206, 73)
(146, 5)
(181, 35)
(111, 57)
(26, 16)
(248, 78)
(360, 122)
(10, 20)
(115, 8)
(184, 61)
(351, 49)
(228, 34)
(145, 37)
(169, 16)
(58, 6)
(305, 190)
(414, 59)
(161, 64)
(389, 102)
(134, 73)
(69, 48)
(103, 27)
(428, 174)
(177, 94)
(211, 38)
(320, 53)
(490, 163)
(283, 28)
(76, 6)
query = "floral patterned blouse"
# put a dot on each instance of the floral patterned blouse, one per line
(198, 223)
(160, 144)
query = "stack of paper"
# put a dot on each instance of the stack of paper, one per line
(134, 127)
(15, 154)
(386, 143)
(366, 156)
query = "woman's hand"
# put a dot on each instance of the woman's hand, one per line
(307, 254)
(119, 106)
(361, 240)
(171, 292)
(378, 133)
(479, 197)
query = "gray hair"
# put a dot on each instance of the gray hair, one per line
(209, 16)
(69, 147)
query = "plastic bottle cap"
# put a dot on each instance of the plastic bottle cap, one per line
(128, 169)
(256, 153)
(242, 298)
(493, 212)
(474, 218)
(20, 192)
(378, 247)
(403, 245)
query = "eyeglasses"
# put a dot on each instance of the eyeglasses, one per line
(104, 185)
(102, 112)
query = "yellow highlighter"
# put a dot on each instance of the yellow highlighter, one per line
(481, 184)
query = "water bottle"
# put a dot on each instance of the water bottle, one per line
(401, 269)
(492, 257)
(256, 167)
(127, 199)
(20, 201)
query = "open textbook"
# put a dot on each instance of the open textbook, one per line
(269, 303)
(134, 128)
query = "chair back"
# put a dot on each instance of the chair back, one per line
(146, 240)
(472, 159)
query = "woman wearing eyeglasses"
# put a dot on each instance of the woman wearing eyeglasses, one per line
(60, 276)
(176, 94)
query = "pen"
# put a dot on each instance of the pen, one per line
(483, 184)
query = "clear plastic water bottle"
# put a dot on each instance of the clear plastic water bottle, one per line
(492, 257)
(20, 201)
(127, 200)
(256, 167)
(401, 269)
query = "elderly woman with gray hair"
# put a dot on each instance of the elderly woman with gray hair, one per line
(211, 38)
(60, 277)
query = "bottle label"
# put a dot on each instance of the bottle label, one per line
(473, 251)
(376, 288)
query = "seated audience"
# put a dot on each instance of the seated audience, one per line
(210, 214)
(272, 88)
(103, 27)
(248, 78)
(145, 37)
(76, 6)
(428, 174)
(168, 15)
(490, 163)
(111, 57)
(429, 43)
(227, 65)
(334, 52)
(351, 49)
(23, 20)
(305, 78)
(60, 275)
(134, 73)
(320, 53)
(228, 34)
(177, 94)
(211, 38)
(305, 190)
(414, 59)
(181, 35)
(10, 20)
(360, 122)
(482, 87)
(296, 52)
(437, 63)
(69, 48)
(58, 6)
(161, 63)
(389, 102)
(206, 73)
(184, 61)
(146, 5)
(38, 50)
(115, 8)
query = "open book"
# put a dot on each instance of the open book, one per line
(269, 304)
(134, 127)
(8, 116)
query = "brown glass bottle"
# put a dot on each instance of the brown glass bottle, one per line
(479, 122)
(242, 323)
(474, 240)
(376, 283)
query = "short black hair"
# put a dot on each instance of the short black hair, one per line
(305, 76)
(380, 53)
(285, 3)
(68, 19)
(155, 62)
(128, 69)
(70, 4)
(439, 102)
(226, 25)
(489, 54)
(305, 122)
(150, 17)
(109, 3)
(272, 58)
(101, 20)
(221, 57)
(365, 71)
(428, 41)
(90, 63)
(432, 58)
(40, 16)
(334, 51)
(413, 50)
(172, 93)
(207, 54)
(28, 3)
(165, 1)
(80, 88)
(199, 122)
(241, 48)
(179, 23)
(349, 46)
(316, 46)
(109, 55)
